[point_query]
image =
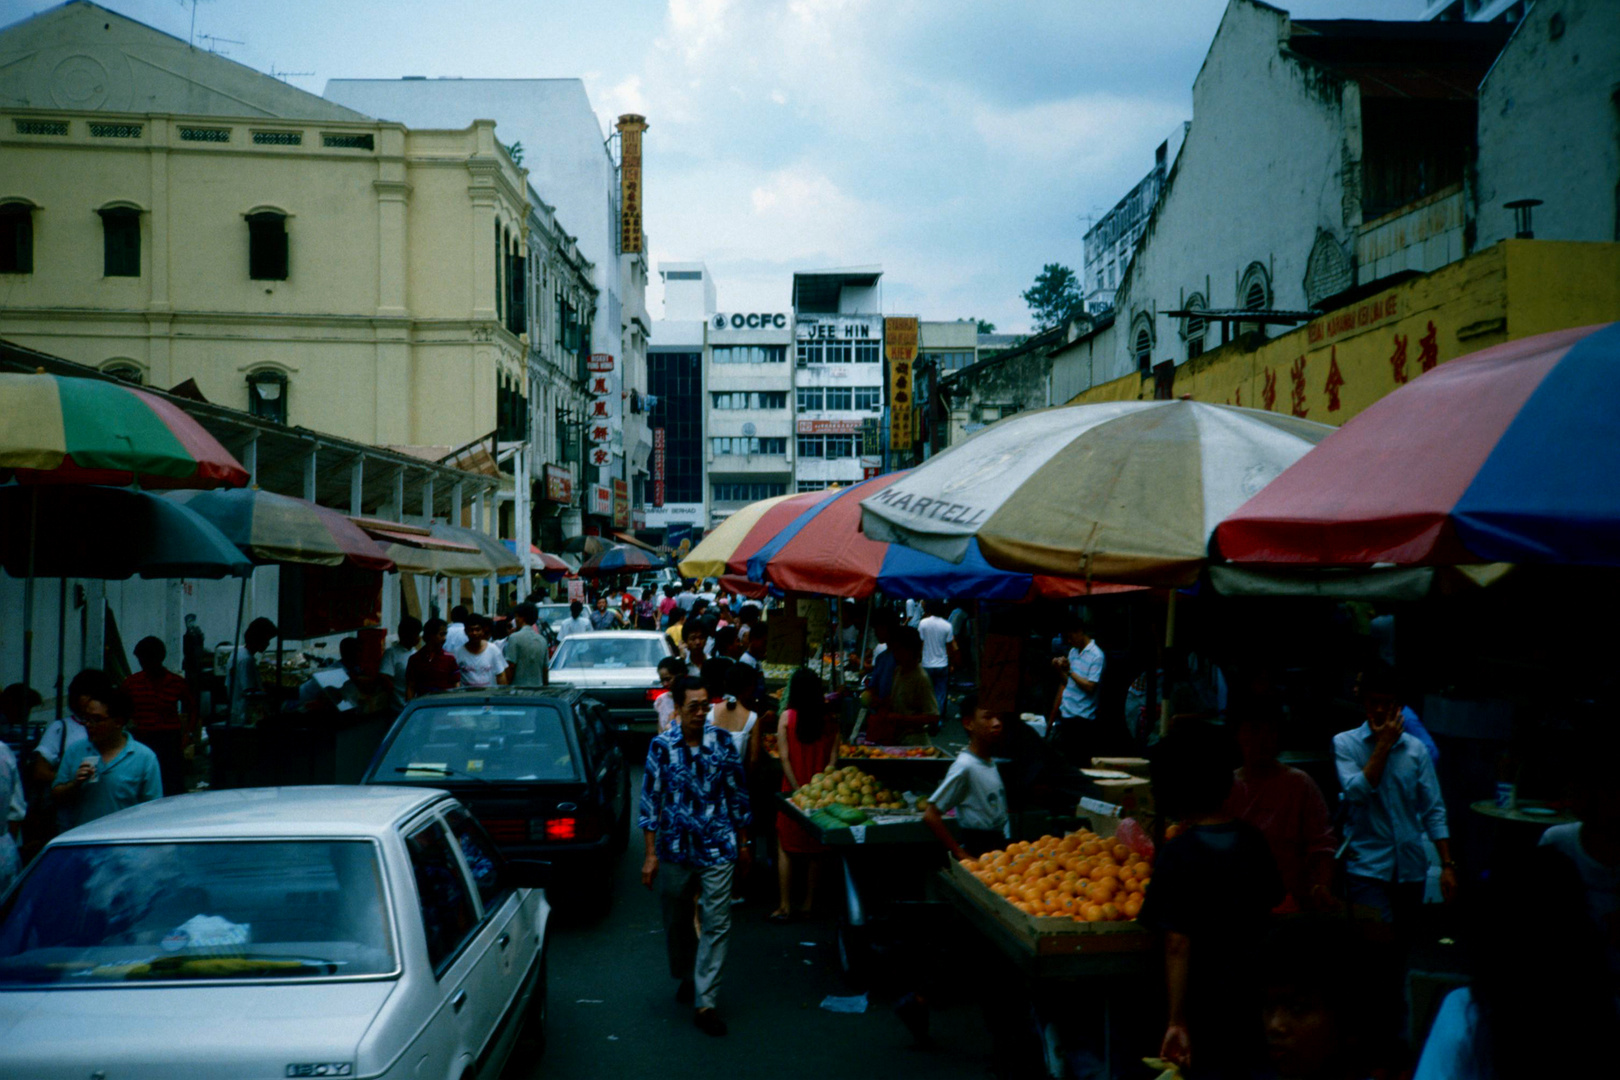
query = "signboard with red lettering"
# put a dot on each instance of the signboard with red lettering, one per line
(660, 446)
(900, 349)
(599, 362)
(559, 485)
(621, 504)
(601, 500)
(830, 427)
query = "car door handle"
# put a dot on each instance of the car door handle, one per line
(504, 940)
(459, 1000)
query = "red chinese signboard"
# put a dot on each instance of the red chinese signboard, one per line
(599, 362)
(601, 501)
(621, 504)
(559, 485)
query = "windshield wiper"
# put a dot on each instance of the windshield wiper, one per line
(442, 770)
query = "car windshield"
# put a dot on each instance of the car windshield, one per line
(607, 653)
(90, 914)
(482, 742)
(553, 614)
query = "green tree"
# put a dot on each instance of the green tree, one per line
(985, 325)
(1055, 296)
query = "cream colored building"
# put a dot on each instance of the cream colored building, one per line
(175, 215)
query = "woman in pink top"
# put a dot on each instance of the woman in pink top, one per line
(1286, 805)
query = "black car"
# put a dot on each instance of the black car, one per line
(539, 768)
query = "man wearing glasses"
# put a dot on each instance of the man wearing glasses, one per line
(107, 770)
(694, 818)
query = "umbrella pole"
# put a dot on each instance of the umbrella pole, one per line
(28, 590)
(61, 640)
(236, 643)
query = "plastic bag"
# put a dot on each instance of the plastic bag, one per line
(1133, 836)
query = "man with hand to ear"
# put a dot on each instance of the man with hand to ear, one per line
(694, 820)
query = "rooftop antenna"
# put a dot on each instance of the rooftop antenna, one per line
(213, 42)
(276, 73)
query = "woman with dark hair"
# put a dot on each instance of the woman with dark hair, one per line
(807, 742)
(1537, 1004)
(734, 713)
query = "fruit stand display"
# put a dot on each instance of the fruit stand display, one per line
(1059, 907)
(849, 806)
(859, 752)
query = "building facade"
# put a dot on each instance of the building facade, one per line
(1110, 242)
(838, 374)
(191, 219)
(676, 374)
(571, 161)
(749, 408)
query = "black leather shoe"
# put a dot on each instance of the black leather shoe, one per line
(686, 993)
(708, 1021)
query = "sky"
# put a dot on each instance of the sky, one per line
(960, 145)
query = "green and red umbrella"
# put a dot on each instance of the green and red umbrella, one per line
(57, 429)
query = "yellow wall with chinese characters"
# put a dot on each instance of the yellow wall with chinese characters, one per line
(1337, 365)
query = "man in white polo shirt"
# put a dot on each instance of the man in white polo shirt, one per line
(1076, 729)
(938, 649)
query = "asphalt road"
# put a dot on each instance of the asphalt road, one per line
(613, 1011)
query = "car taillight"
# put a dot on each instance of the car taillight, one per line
(505, 830)
(655, 693)
(562, 828)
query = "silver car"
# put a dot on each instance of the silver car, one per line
(619, 668)
(273, 932)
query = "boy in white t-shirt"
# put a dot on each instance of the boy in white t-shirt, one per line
(481, 661)
(973, 788)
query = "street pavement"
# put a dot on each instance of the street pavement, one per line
(613, 1011)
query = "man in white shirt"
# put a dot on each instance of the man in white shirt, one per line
(455, 635)
(938, 649)
(1076, 729)
(973, 788)
(396, 657)
(576, 623)
(480, 660)
(63, 732)
(244, 674)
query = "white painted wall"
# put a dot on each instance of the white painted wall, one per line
(1260, 172)
(1549, 125)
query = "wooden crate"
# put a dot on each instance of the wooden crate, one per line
(1045, 936)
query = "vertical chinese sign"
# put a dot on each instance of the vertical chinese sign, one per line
(900, 349)
(602, 415)
(659, 448)
(630, 128)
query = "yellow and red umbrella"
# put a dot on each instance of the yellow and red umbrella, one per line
(57, 429)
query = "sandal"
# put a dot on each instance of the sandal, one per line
(779, 917)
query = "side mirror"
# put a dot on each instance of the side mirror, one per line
(527, 874)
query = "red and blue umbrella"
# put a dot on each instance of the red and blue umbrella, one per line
(822, 550)
(620, 559)
(1508, 455)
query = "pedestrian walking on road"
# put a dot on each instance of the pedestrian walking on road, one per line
(525, 650)
(396, 658)
(808, 745)
(430, 669)
(1076, 731)
(694, 819)
(165, 712)
(604, 618)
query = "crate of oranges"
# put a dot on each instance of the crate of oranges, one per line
(1061, 894)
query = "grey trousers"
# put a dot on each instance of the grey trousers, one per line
(692, 956)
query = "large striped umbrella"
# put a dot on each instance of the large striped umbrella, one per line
(271, 528)
(1508, 455)
(725, 551)
(62, 430)
(1124, 492)
(823, 551)
(620, 559)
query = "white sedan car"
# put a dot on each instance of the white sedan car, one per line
(619, 668)
(273, 932)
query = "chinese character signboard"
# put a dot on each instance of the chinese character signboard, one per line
(559, 485)
(630, 128)
(871, 438)
(829, 427)
(605, 411)
(621, 504)
(601, 500)
(660, 446)
(900, 350)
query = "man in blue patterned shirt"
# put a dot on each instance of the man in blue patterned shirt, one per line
(695, 817)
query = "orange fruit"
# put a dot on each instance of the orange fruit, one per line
(1121, 853)
(1133, 906)
(999, 889)
(1092, 913)
(1142, 885)
(1110, 912)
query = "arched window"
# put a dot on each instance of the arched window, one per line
(267, 245)
(1142, 346)
(128, 370)
(267, 395)
(120, 241)
(1194, 327)
(16, 238)
(1254, 294)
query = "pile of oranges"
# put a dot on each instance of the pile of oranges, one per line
(1081, 877)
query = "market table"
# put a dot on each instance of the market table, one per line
(1526, 813)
